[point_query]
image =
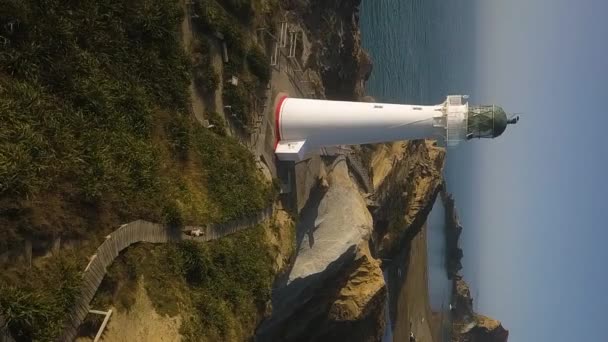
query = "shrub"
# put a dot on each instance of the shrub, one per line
(178, 132)
(237, 193)
(217, 121)
(213, 18)
(258, 63)
(206, 78)
(37, 308)
(172, 216)
(239, 101)
(242, 9)
(78, 92)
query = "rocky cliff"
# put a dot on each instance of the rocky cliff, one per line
(334, 288)
(337, 53)
(453, 230)
(408, 189)
(468, 326)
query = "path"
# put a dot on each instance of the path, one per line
(198, 106)
(135, 232)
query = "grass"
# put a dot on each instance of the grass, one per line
(258, 63)
(220, 288)
(215, 119)
(35, 309)
(94, 94)
(213, 18)
(96, 132)
(247, 60)
(206, 77)
(82, 86)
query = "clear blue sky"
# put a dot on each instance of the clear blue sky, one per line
(532, 201)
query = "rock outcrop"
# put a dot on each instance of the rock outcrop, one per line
(335, 288)
(469, 326)
(337, 53)
(453, 228)
(406, 195)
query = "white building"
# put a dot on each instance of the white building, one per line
(305, 125)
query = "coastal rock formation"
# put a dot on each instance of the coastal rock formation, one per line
(337, 53)
(333, 227)
(363, 285)
(335, 287)
(453, 230)
(470, 326)
(410, 185)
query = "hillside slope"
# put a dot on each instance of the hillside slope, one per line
(97, 131)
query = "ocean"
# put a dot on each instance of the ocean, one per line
(422, 51)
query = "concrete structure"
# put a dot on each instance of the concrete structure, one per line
(305, 125)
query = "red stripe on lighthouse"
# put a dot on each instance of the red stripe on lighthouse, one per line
(277, 120)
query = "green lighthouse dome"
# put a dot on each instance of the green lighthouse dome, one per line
(488, 121)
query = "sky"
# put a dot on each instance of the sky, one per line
(532, 201)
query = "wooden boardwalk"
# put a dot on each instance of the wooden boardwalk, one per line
(131, 233)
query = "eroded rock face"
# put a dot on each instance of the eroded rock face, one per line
(470, 326)
(336, 225)
(406, 195)
(487, 330)
(335, 289)
(333, 27)
(453, 230)
(363, 284)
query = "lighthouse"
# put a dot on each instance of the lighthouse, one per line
(306, 125)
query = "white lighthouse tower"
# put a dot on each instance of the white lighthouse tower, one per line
(305, 125)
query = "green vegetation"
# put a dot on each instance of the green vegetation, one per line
(219, 288)
(237, 193)
(213, 18)
(258, 63)
(242, 9)
(96, 132)
(36, 308)
(178, 134)
(82, 85)
(239, 99)
(206, 77)
(85, 88)
(247, 61)
(217, 121)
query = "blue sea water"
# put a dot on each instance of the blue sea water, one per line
(422, 51)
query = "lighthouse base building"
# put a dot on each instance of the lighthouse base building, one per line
(306, 125)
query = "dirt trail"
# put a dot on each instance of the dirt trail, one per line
(140, 323)
(198, 105)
